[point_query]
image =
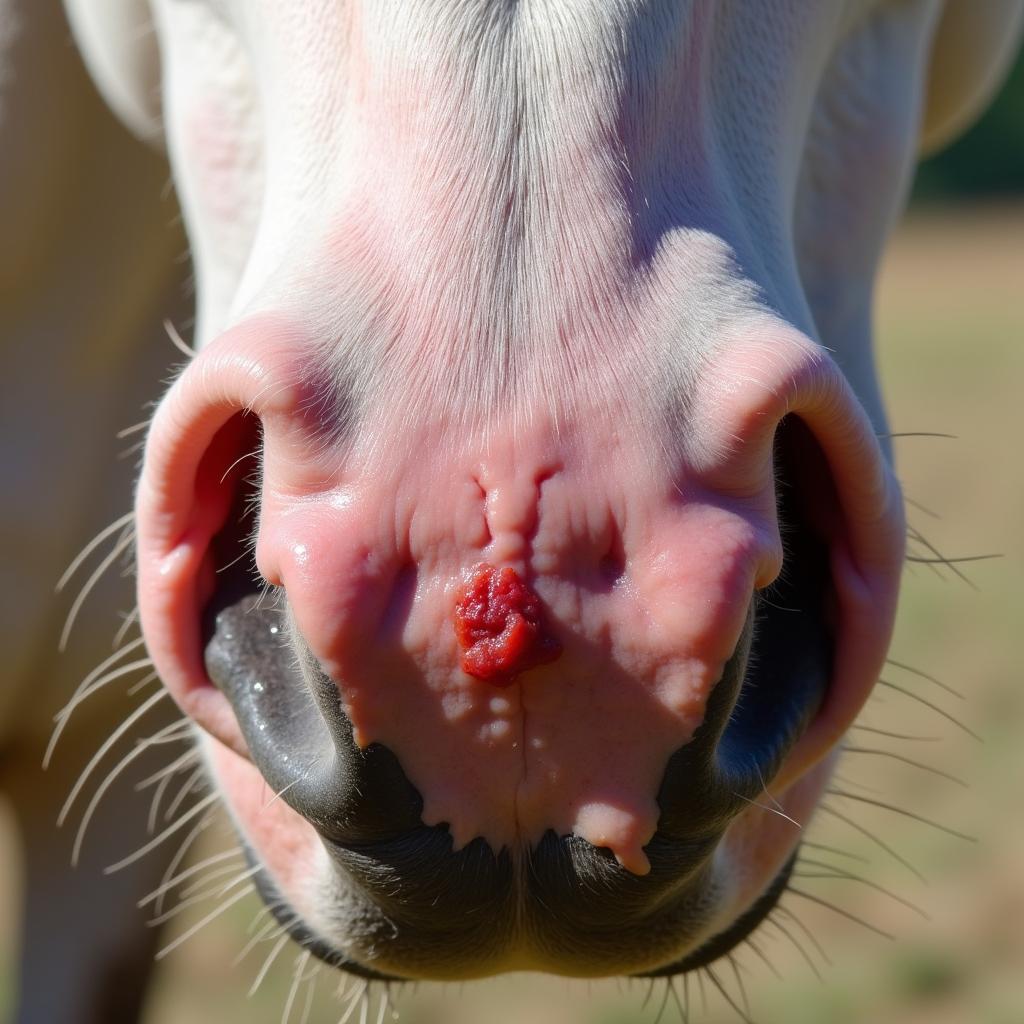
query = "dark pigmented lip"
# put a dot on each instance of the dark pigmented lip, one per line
(293, 924)
(724, 942)
(707, 953)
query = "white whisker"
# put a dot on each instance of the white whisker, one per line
(357, 995)
(205, 921)
(770, 810)
(138, 713)
(175, 766)
(102, 788)
(186, 844)
(62, 716)
(260, 936)
(169, 831)
(194, 869)
(118, 524)
(177, 341)
(200, 897)
(129, 620)
(277, 796)
(278, 946)
(136, 688)
(182, 794)
(119, 548)
(300, 965)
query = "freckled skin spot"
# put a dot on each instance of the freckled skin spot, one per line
(500, 628)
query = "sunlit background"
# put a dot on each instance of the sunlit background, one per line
(950, 328)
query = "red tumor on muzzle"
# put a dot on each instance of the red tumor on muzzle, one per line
(500, 627)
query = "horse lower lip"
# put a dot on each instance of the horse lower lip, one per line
(719, 945)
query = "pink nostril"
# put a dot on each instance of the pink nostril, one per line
(499, 626)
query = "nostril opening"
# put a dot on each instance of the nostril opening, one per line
(233, 466)
(790, 663)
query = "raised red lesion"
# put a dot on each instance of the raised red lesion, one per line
(499, 623)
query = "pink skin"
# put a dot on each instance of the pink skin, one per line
(372, 555)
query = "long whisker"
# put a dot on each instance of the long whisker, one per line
(186, 844)
(916, 433)
(129, 620)
(920, 508)
(832, 871)
(102, 667)
(896, 735)
(186, 788)
(189, 757)
(902, 810)
(924, 675)
(194, 869)
(664, 1001)
(193, 812)
(300, 965)
(119, 548)
(739, 981)
(105, 785)
(771, 810)
(773, 920)
(842, 912)
(829, 809)
(762, 956)
(171, 946)
(264, 970)
(726, 996)
(908, 761)
(118, 524)
(919, 538)
(928, 704)
(199, 897)
(261, 935)
(683, 1007)
(135, 428)
(791, 915)
(833, 849)
(124, 727)
(64, 715)
(355, 999)
(177, 341)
